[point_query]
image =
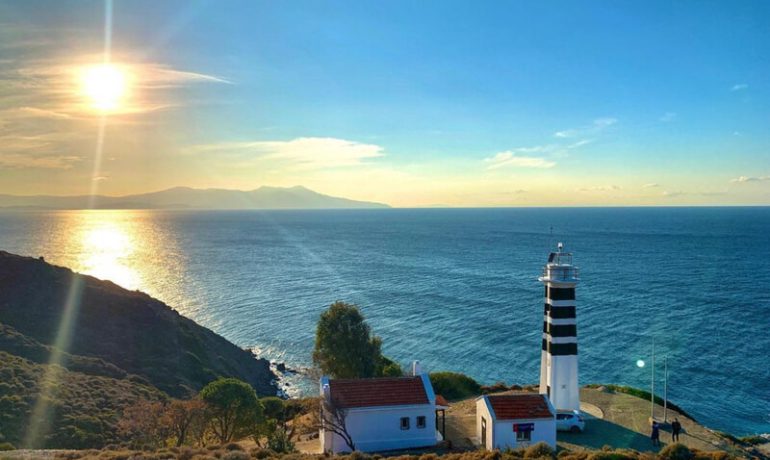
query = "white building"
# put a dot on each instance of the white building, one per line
(380, 414)
(559, 356)
(515, 420)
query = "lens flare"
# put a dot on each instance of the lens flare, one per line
(640, 363)
(105, 86)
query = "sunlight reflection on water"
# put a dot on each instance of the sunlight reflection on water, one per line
(134, 249)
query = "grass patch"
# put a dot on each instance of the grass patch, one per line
(639, 393)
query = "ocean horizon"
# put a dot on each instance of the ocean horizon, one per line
(457, 288)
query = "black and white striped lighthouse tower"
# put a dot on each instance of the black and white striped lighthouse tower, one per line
(559, 361)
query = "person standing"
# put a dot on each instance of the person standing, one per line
(676, 427)
(655, 436)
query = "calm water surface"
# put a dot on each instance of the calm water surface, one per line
(458, 289)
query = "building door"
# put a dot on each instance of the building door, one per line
(483, 433)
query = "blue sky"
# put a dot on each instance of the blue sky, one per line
(411, 103)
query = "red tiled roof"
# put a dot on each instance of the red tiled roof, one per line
(441, 401)
(397, 391)
(519, 406)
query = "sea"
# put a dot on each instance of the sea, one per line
(458, 289)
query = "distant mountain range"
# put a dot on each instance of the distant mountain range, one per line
(189, 198)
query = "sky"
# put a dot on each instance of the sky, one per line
(428, 103)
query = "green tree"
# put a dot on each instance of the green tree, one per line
(344, 346)
(233, 408)
(389, 368)
(273, 407)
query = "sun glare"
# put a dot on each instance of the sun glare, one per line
(105, 86)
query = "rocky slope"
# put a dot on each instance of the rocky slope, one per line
(113, 332)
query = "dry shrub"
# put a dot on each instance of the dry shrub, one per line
(429, 457)
(236, 455)
(260, 453)
(233, 446)
(675, 452)
(612, 455)
(539, 450)
(356, 455)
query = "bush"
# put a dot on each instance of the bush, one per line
(753, 440)
(392, 370)
(357, 455)
(453, 385)
(611, 455)
(539, 450)
(5, 446)
(675, 452)
(260, 453)
(236, 455)
(280, 441)
(233, 446)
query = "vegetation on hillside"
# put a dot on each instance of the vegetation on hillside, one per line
(115, 331)
(83, 410)
(454, 386)
(128, 352)
(234, 451)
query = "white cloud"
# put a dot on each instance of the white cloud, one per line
(744, 179)
(303, 152)
(17, 160)
(673, 194)
(604, 122)
(668, 117)
(594, 128)
(514, 159)
(651, 185)
(739, 87)
(600, 188)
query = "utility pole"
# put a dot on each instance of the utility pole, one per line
(652, 384)
(665, 388)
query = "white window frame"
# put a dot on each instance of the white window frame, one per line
(523, 436)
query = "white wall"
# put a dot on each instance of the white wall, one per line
(565, 394)
(500, 434)
(376, 429)
(544, 431)
(482, 410)
(379, 429)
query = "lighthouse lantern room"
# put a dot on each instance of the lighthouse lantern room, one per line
(558, 362)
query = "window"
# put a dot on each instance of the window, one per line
(421, 421)
(404, 423)
(523, 436)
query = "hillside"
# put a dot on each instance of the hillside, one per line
(190, 198)
(114, 331)
(83, 409)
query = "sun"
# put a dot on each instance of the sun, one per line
(105, 86)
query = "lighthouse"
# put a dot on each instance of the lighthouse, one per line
(558, 361)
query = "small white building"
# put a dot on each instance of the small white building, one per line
(380, 414)
(515, 420)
